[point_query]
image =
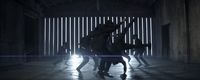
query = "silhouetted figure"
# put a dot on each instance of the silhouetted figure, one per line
(86, 54)
(62, 54)
(89, 46)
(140, 50)
(117, 49)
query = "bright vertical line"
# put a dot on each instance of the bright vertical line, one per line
(61, 43)
(99, 20)
(124, 27)
(142, 30)
(53, 34)
(108, 18)
(86, 25)
(133, 33)
(112, 19)
(129, 30)
(95, 20)
(112, 32)
(74, 35)
(45, 25)
(78, 31)
(49, 37)
(129, 33)
(151, 36)
(91, 22)
(147, 35)
(120, 25)
(57, 34)
(83, 27)
(138, 26)
(104, 20)
(70, 35)
(133, 27)
(117, 31)
(65, 29)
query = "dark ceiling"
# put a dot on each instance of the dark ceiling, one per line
(53, 3)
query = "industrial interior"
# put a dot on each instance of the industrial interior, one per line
(44, 39)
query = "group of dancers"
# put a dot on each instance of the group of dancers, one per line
(99, 46)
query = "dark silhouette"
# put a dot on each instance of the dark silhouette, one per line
(140, 50)
(62, 54)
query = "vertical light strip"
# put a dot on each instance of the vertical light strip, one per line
(116, 19)
(142, 30)
(142, 33)
(129, 33)
(86, 25)
(70, 35)
(138, 27)
(134, 33)
(74, 35)
(151, 36)
(53, 36)
(78, 32)
(134, 26)
(120, 25)
(95, 18)
(99, 20)
(57, 35)
(83, 27)
(112, 19)
(91, 22)
(125, 34)
(147, 38)
(66, 29)
(61, 43)
(129, 30)
(125, 38)
(104, 20)
(45, 25)
(108, 18)
(49, 40)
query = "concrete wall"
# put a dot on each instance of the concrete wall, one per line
(194, 28)
(184, 41)
(13, 19)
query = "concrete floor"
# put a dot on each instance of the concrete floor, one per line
(46, 70)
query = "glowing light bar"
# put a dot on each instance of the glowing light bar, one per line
(95, 18)
(83, 27)
(57, 35)
(66, 29)
(86, 25)
(120, 25)
(91, 24)
(53, 36)
(70, 35)
(75, 35)
(45, 25)
(151, 36)
(61, 32)
(147, 38)
(104, 20)
(49, 37)
(78, 32)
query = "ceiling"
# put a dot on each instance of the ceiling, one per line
(53, 3)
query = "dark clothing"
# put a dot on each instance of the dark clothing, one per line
(140, 50)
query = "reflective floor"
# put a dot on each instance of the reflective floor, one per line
(66, 70)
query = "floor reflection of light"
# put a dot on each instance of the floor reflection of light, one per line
(127, 62)
(75, 60)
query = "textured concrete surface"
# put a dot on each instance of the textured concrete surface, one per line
(46, 70)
